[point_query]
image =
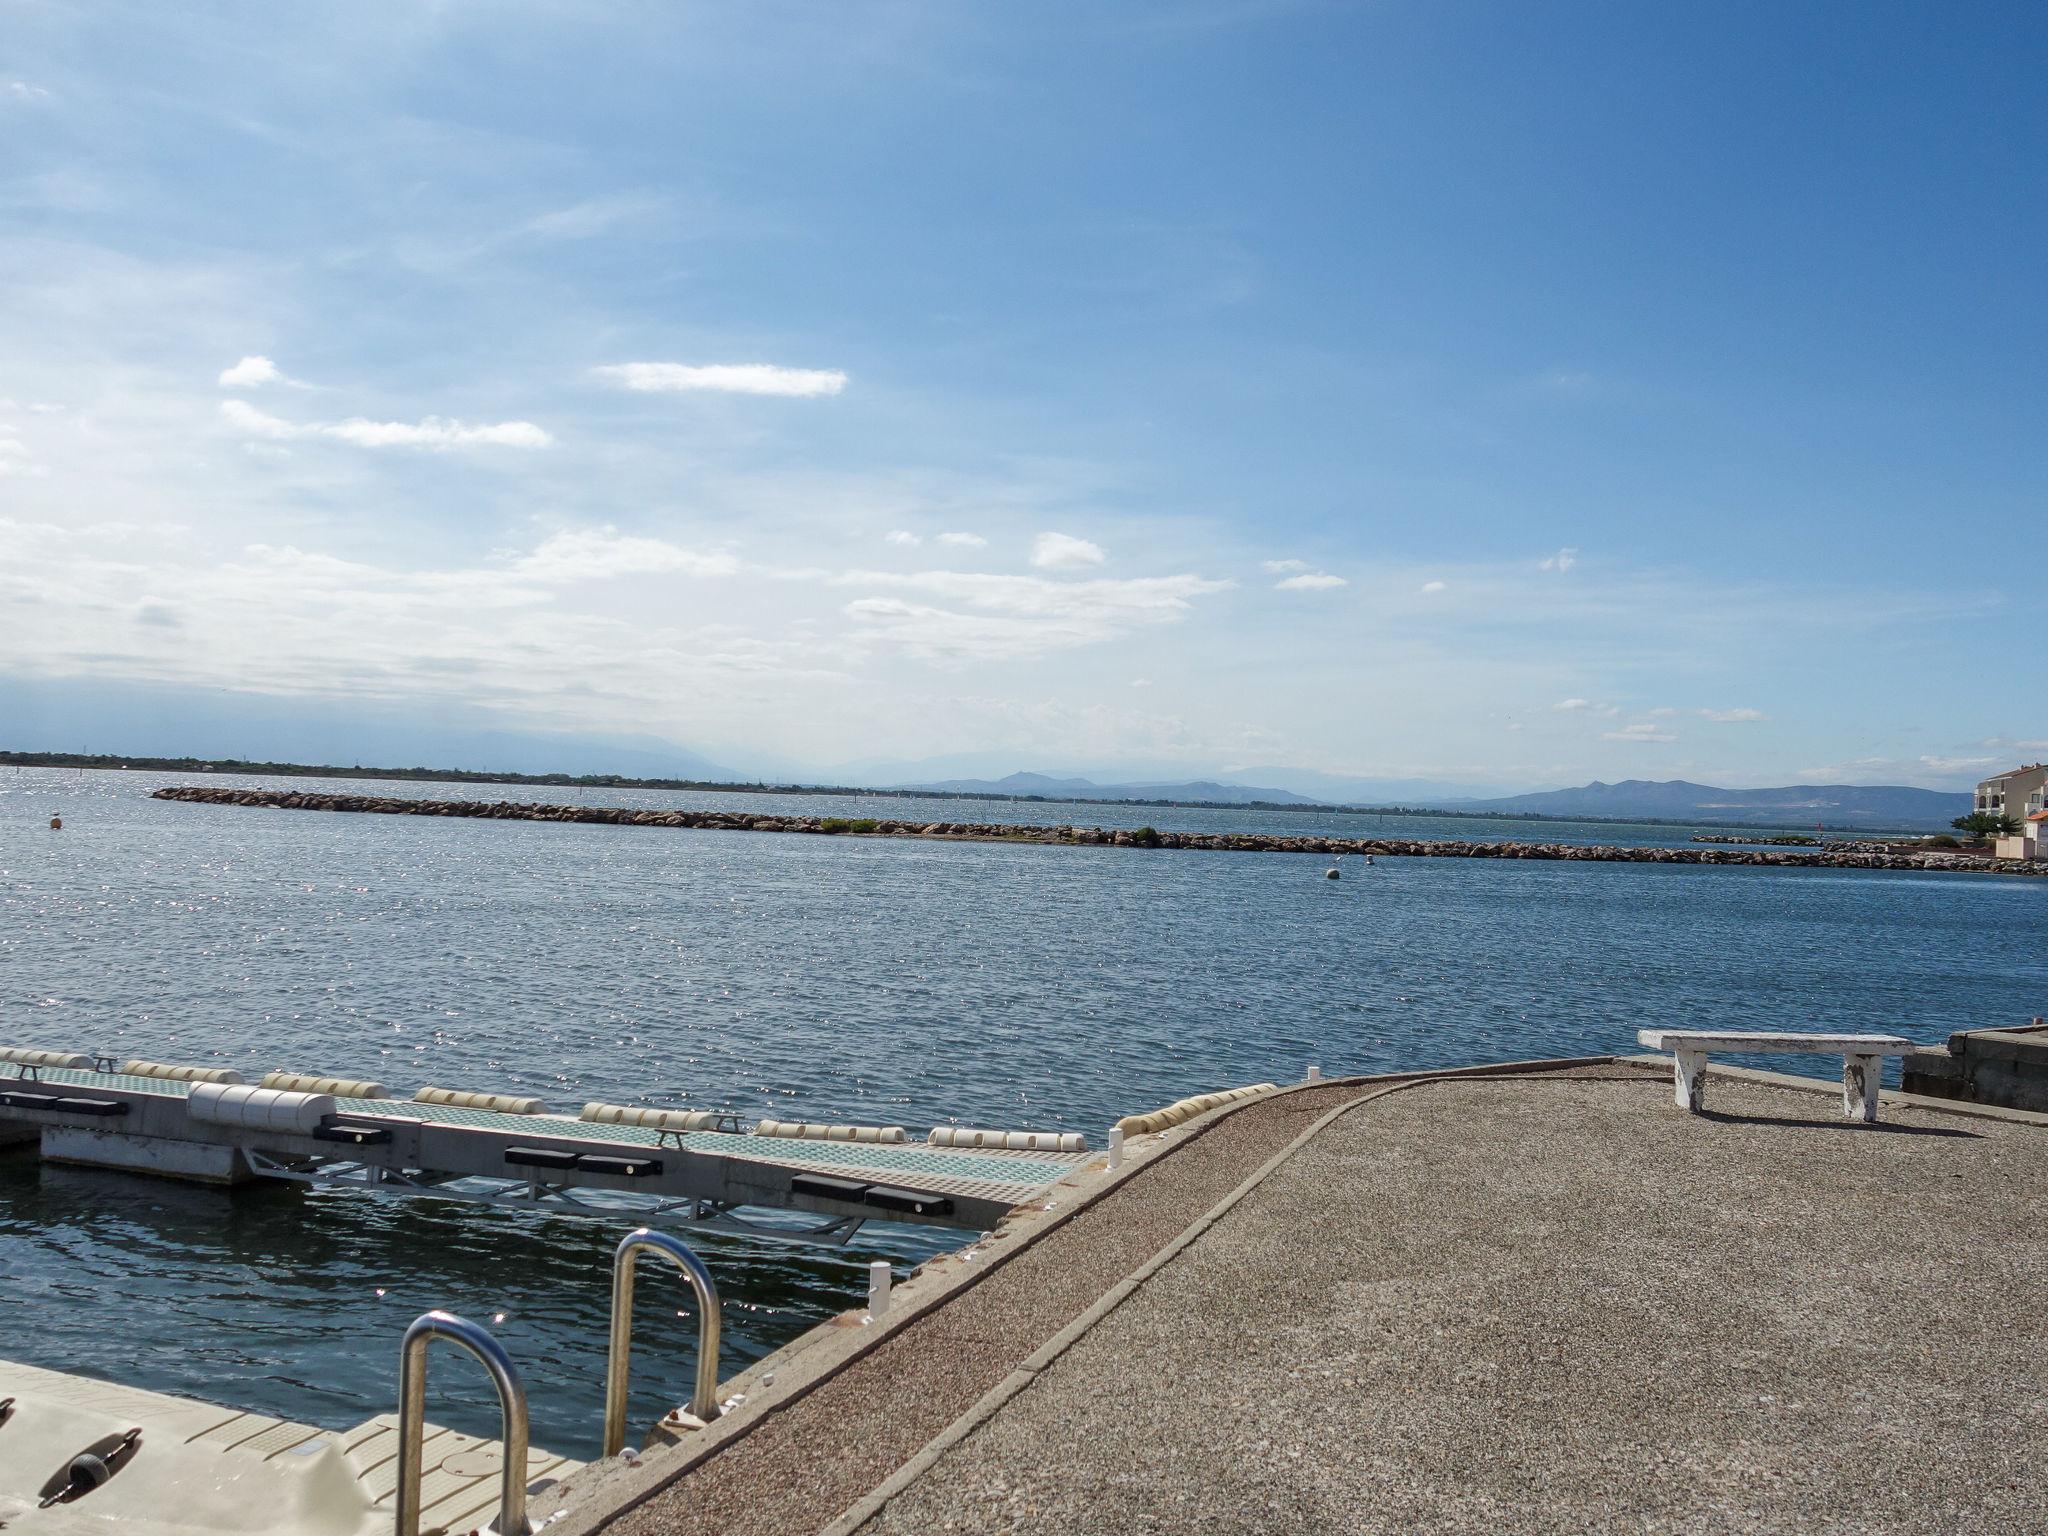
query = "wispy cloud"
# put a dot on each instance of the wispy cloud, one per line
(1002, 616)
(16, 461)
(1312, 581)
(1563, 560)
(589, 219)
(1062, 552)
(963, 540)
(1733, 716)
(21, 90)
(1642, 732)
(254, 372)
(434, 432)
(1431, 587)
(595, 554)
(723, 378)
(902, 536)
(1283, 567)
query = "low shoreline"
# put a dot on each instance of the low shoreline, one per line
(1065, 835)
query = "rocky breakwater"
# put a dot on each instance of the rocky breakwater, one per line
(1072, 836)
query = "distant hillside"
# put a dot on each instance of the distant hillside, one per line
(1048, 788)
(1890, 806)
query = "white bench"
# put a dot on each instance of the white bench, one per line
(1862, 1059)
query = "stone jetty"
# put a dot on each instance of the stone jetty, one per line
(1118, 837)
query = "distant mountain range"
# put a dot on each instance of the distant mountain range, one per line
(1890, 806)
(1049, 788)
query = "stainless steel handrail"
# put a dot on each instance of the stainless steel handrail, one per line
(412, 1415)
(704, 1403)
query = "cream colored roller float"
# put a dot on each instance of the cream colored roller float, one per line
(677, 1120)
(459, 1098)
(340, 1087)
(259, 1109)
(804, 1130)
(177, 1074)
(1187, 1109)
(28, 1056)
(1008, 1141)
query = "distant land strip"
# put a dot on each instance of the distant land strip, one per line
(1071, 836)
(116, 762)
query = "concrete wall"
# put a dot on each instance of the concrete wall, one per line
(2006, 1067)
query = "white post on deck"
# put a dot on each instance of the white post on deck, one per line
(1116, 1148)
(878, 1288)
(1315, 1073)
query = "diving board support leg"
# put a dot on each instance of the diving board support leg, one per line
(1861, 1076)
(1689, 1080)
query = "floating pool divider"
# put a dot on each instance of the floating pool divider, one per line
(177, 1074)
(260, 1109)
(804, 1130)
(1187, 1109)
(460, 1098)
(1008, 1141)
(28, 1056)
(668, 1122)
(340, 1087)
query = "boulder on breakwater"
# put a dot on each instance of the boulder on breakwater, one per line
(1007, 832)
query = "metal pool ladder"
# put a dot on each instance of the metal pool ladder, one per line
(704, 1404)
(412, 1412)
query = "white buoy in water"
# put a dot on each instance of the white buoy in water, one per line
(1332, 873)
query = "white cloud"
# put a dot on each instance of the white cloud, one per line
(1314, 581)
(1572, 704)
(1959, 764)
(963, 540)
(1283, 567)
(1643, 732)
(253, 371)
(21, 90)
(1433, 586)
(1141, 682)
(593, 554)
(1587, 706)
(1563, 560)
(724, 378)
(1062, 552)
(1664, 712)
(1732, 716)
(903, 537)
(17, 462)
(433, 432)
(1014, 616)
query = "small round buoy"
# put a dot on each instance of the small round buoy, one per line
(1332, 873)
(56, 823)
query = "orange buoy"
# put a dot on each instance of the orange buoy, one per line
(56, 823)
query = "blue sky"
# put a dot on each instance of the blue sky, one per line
(1501, 395)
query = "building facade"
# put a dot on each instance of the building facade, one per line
(2017, 794)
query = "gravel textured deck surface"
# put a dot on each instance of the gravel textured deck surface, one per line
(1510, 1306)
(806, 1464)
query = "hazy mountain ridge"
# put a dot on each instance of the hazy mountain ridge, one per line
(1050, 788)
(1861, 805)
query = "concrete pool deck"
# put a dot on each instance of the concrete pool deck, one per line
(1543, 1302)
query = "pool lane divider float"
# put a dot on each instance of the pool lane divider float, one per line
(1064, 835)
(666, 1166)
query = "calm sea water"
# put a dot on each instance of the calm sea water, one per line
(866, 979)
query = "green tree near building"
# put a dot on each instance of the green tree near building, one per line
(1985, 825)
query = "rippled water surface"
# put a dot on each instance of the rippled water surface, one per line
(868, 979)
